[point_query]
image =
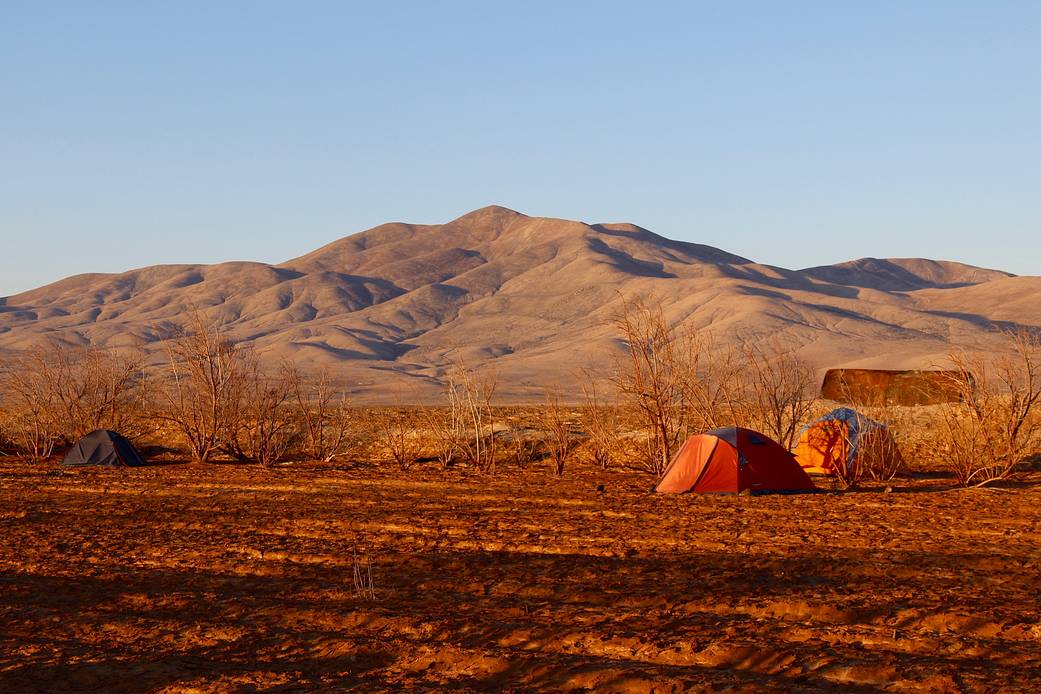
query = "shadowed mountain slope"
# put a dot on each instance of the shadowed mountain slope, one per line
(391, 308)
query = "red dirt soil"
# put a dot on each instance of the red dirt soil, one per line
(239, 578)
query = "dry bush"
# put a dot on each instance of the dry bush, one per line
(850, 471)
(264, 426)
(778, 390)
(30, 409)
(683, 382)
(651, 378)
(56, 393)
(997, 424)
(919, 433)
(448, 428)
(524, 451)
(95, 389)
(328, 423)
(560, 428)
(28, 425)
(206, 381)
(713, 385)
(874, 461)
(465, 431)
(602, 425)
(883, 456)
(398, 436)
(7, 444)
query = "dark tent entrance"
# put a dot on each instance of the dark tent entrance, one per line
(103, 447)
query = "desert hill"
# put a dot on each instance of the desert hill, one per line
(391, 308)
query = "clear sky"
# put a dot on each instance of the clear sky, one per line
(794, 133)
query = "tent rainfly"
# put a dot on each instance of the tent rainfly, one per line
(103, 447)
(730, 461)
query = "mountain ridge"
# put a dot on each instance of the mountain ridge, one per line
(396, 305)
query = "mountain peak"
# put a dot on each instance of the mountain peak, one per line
(489, 213)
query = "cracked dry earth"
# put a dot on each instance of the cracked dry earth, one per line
(238, 578)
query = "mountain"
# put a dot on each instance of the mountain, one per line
(392, 308)
(904, 274)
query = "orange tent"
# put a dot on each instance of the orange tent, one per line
(847, 438)
(732, 460)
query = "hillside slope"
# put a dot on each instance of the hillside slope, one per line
(391, 308)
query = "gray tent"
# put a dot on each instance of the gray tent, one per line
(103, 447)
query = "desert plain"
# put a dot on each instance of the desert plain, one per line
(229, 577)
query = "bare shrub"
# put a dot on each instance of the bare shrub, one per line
(997, 423)
(29, 408)
(399, 437)
(448, 427)
(881, 456)
(206, 377)
(466, 431)
(96, 389)
(651, 378)
(882, 452)
(328, 423)
(264, 425)
(55, 392)
(524, 451)
(7, 444)
(601, 424)
(679, 381)
(849, 471)
(778, 390)
(560, 428)
(713, 382)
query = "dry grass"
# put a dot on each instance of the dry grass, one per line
(364, 585)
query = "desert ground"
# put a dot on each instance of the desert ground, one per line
(222, 577)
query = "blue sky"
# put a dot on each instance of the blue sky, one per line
(794, 133)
